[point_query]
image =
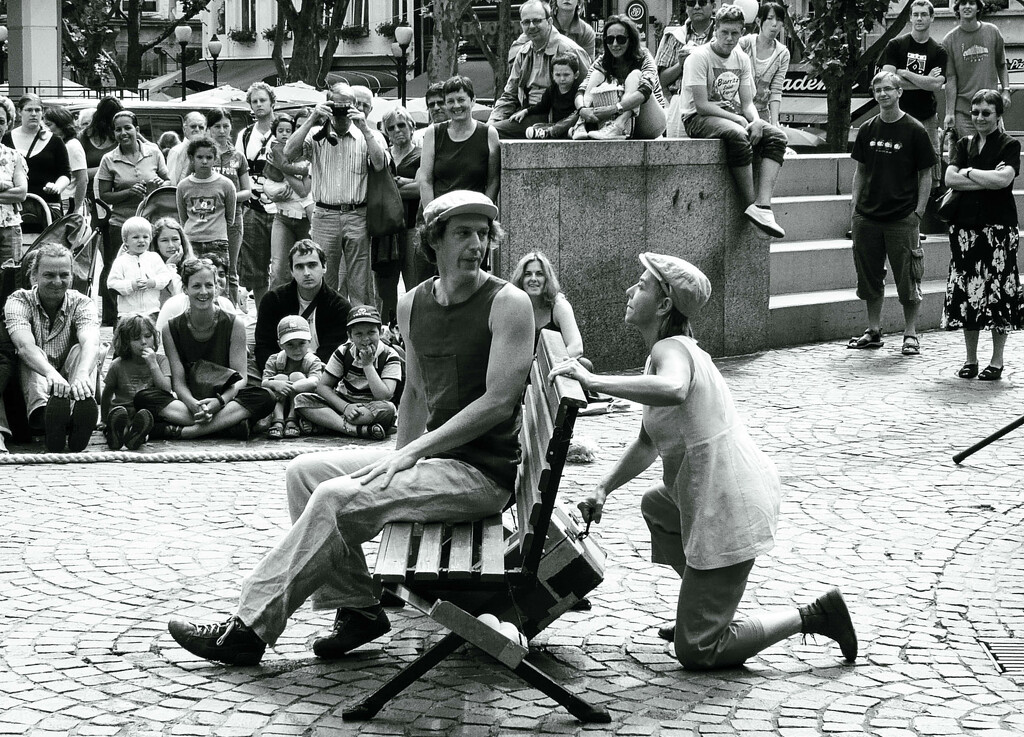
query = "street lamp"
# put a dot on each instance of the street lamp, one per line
(214, 47)
(3, 53)
(183, 34)
(403, 36)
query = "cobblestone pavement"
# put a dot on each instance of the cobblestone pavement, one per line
(94, 559)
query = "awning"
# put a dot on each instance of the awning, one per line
(814, 108)
(479, 72)
(241, 73)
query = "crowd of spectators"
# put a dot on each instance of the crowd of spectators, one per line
(275, 215)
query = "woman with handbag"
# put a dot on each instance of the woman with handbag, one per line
(48, 169)
(983, 291)
(207, 352)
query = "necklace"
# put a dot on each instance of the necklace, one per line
(201, 329)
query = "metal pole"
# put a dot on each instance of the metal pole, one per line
(181, 60)
(402, 64)
(215, 71)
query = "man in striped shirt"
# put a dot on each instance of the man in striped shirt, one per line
(340, 159)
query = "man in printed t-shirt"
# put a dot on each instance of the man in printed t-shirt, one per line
(977, 61)
(920, 63)
(718, 102)
(890, 191)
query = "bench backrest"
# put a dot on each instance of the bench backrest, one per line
(549, 414)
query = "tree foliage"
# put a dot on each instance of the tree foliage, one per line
(833, 36)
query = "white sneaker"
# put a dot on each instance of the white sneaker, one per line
(580, 133)
(535, 132)
(610, 131)
(764, 220)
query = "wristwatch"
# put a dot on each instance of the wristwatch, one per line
(619, 109)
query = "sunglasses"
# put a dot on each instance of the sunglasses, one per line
(982, 113)
(395, 127)
(691, 3)
(436, 103)
(620, 40)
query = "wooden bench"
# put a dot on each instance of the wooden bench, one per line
(526, 567)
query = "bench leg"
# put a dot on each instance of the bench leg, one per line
(368, 707)
(572, 703)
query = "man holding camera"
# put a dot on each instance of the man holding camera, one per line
(341, 154)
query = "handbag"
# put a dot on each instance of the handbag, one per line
(385, 213)
(208, 379)
(945, 199)
(947, 206)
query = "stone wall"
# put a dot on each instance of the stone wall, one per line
(592, 207)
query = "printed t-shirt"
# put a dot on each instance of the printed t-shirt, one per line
(722, 76)
(892, 154)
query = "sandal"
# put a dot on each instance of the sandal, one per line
(871, 339)
(276, 431)
(968, 371)
(291, 429)
(309, 428)
(991, 373)
(911, 346)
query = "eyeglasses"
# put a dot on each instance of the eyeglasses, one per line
(620, 40)
(886, 90)
(691, 3)
(532, 21)
(982, 113)
(395, 127)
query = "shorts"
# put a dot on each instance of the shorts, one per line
(873, 241)
(383, 411)
(255, 400)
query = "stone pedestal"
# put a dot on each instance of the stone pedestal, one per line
(34, 35)
(592, 207)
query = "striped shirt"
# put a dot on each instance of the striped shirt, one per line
(339, 172)
(24, 312)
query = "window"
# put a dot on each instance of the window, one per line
(248, 15)
(360, 14)
(146, 6)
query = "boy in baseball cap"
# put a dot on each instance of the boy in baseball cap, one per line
(294, 370)
(357, 394)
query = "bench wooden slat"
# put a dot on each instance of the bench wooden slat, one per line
(528, 496)
(393, 553)
(551, 351)
(544, 425)
(492, 549)
(428, 559)
(460, 557)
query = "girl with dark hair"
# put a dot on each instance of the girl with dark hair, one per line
(98, 137)
(61, 124)
(770, 60)
(983, 291)
(717, 505)
(621, 96)
(136, 365)
(234, 166)
(46, 155)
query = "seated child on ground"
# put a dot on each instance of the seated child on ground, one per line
(136, 366)
(138, 275)
(296, 369)
(171, 243)
(559, 99)
(355, 393)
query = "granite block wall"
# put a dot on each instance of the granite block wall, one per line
(594, 206)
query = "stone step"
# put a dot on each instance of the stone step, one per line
(809, 317)
(825, 217)
(816, 266)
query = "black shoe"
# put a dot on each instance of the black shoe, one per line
(583, 605)
(138, 432)
(829, 616)
(117, 426)
(165, 431)
(55, 423)
(352, 628)
(230, 642)
(84, 416)
(391, 601)
(668, 632)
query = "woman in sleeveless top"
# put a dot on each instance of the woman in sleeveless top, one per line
(204, 332)
(717, 506)
(535, 275)
(461, 153)
(47, 158)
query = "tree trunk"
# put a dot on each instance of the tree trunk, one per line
(504, 43)
(331, 45)
(132, 69)
(839, 97)
(444, 56)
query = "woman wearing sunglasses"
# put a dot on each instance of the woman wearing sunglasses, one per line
(627, 70)
(983, 291)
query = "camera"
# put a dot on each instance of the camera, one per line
(340, 110)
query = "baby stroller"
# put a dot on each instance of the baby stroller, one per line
(74, 232)
(161, 202)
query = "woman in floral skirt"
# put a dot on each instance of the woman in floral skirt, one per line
(983, 291)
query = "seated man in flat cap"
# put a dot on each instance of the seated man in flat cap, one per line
(469, 339)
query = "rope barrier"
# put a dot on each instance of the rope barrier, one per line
(189, 456)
